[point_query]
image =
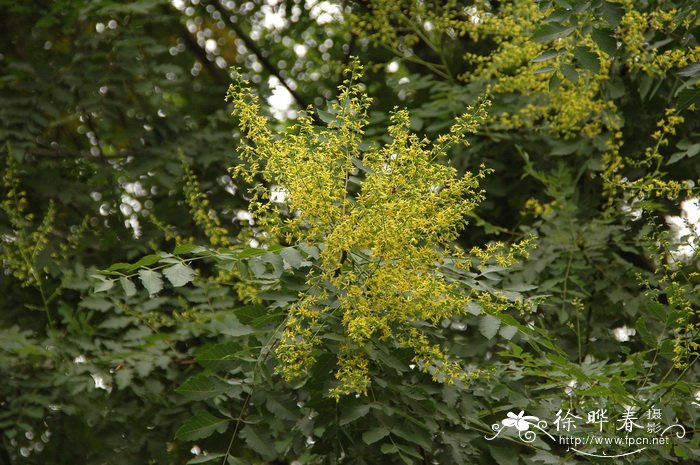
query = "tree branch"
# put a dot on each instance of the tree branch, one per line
(253, 47)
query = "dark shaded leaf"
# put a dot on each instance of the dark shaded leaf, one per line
(201, 425)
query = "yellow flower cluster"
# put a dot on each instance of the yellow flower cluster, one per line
(21, 249)
(564, 98)
(636, 26)
(203, 215)
(686, 345)
(651, 184)
(384, 217)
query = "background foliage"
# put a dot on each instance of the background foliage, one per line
(116, 145)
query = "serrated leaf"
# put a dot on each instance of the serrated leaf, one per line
(148, 260)
(412, 437)
(549, 32)
(249, 313)
(692, 70)
(123, 378)
(612, 12)
(548, 55)
(202, 387)
(687, 97)
(117, 322)
(374, 435)
(588, 59)
(521, 287)
(569, 72)
(201, 425)
(353, 413)
(507, 332)
(217, 356)
(204, 458)
(292, 257)
(251, 252)
(103, 286)
(184, 248)
(644, 333)
(676, 157)
(488, 326)
(151, 280)
(259, 441)
(605, 40)
(119, 266)
(128, 287)
(389, 448)
(358, 163)
(96, 303)
(179, 274)
(310, 250)
(544, 69)
(325, 116)
(554, 82)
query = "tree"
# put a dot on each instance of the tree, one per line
(360, 318)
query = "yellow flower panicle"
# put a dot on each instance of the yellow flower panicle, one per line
(384, 217)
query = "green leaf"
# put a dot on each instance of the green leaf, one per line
(353, 413)
(250, 253)
(96, 303)
(184, 249)
(544, 69)
(205, 458)
(605, 39)
(588, 59)
(507, 332)
(292, 257)
(218, 356)
(374, 435)
(645, 87)
(119, 266)
(179, 274)
(676, 157)
(267, 266)
(691, 71)
(687, 97)
(558, 16)
(488, 326)
(549, 32)
(151, 280)
(325, 116)
(259, 441)
(554, 82)
(310, 250)
(548, 55)
(148, 260)
(504, 454)
(201, 425)
(388, 448)
(117, 322)
(612, 13)
(249, 313)
(104, 285)
(123, 378)
(569, 72)
(128, 286)
(203, 387)
(644, 333)
(412, 437)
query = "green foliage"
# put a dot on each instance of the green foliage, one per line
(566, 276)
